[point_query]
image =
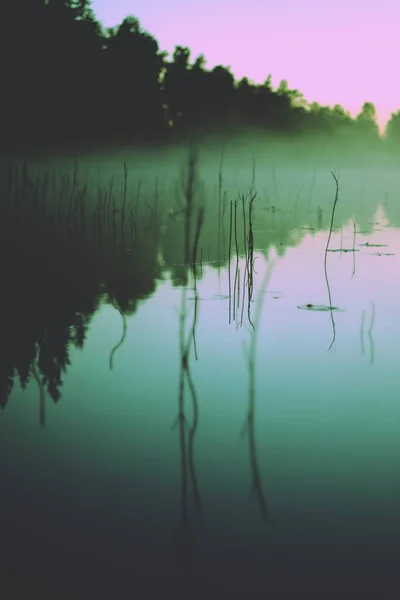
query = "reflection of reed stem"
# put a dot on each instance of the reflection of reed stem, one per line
(246, 266)
(354, 248)
(220, 202)
(249, 426)
(199, 224)
(325, 260)
(250, 262)
(238, 288)
(189, 189)
(192, 433)
(229, 262)
(275, 186)
(312, 187)
(362, 332)
(244, 229)
(123, 336)
(237, 260)
(371, 339)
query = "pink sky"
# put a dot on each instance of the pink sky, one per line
(345, 52)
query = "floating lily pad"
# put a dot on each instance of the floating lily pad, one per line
(319, 307)
(368, 245)
(342, 250)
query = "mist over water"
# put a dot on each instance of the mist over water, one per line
(193, 401)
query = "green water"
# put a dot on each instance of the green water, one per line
(267, 459)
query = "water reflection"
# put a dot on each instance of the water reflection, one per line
(187, 429)
(193, 214)
(117, 253)
(68, 265)
(78, 249)
(249, 426)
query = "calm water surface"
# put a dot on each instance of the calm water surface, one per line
(193, 455)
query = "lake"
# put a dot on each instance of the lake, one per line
(194, 408)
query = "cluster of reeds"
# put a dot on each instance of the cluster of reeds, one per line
(68, 234)
(248, 251)
(103, 217)
(69, 226)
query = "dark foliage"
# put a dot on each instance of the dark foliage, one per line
(67, 79)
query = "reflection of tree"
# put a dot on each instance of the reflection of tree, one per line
(79, 329)
(59, 256)
(38, 334)
(42, 396)
(46, 303)
(53, 358)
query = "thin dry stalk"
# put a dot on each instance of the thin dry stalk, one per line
(325, 259)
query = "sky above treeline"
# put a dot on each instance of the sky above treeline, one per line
(344, 52)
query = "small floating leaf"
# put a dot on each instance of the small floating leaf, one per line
(368, 245)
(319, 307)
(342, 250)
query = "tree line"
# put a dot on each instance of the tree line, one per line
(66, 78)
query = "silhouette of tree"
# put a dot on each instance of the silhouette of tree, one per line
(252, 103)
(221, 94)
(366, 121)
(83, 9)
(392, 131)
(132, 68)
(72, 81)
(177, 88)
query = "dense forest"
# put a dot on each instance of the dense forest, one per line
(66, 78)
